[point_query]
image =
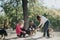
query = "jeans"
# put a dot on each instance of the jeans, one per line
(46, 31)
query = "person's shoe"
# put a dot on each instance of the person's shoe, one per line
(24, 36)
(19, 36)
(43, 36)
(49, 37)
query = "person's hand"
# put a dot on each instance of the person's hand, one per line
(38, 28)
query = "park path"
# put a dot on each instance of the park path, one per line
(37, 36)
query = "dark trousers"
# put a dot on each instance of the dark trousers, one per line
(22, 34)
(46, 31)
(27, 32)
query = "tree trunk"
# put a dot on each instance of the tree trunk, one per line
(25, 13)
(16, 10)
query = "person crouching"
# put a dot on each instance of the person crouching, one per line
(19, 30)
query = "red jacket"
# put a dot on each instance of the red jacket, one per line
(18, 29)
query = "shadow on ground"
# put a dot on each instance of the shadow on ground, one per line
(33, 38)
(11, 38)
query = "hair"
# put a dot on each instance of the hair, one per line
(38, 17)
(21, 21)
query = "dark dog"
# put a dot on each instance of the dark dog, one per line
(3, 33)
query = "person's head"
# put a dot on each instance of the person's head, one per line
(21, 22)
(31, 22)
(39, 18)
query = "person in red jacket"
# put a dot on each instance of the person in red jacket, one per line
(19, 28)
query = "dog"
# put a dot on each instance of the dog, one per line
(3, 33)
(51, 32)
(33, 32)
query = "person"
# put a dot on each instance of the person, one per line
(32, 27)
(44, 22)
(19, 29)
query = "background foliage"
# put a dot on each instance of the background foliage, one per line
(13, 11)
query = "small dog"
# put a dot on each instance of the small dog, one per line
(51, 32)
(32, 31)
(3, 33)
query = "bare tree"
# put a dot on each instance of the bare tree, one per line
(25, 13)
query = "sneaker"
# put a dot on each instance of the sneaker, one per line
(43, 36)
(49, 37)
(19, 36)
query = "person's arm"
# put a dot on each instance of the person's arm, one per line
(40, 24)
(18, 28)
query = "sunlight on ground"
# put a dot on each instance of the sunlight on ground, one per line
(38, 36)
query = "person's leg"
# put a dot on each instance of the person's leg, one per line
(24, 34)
(46, 28)
(48, 33)
(44, 34)
(45, 31)
(18, 35)
(21, 34)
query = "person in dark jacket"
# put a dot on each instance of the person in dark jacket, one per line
(32, 27)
